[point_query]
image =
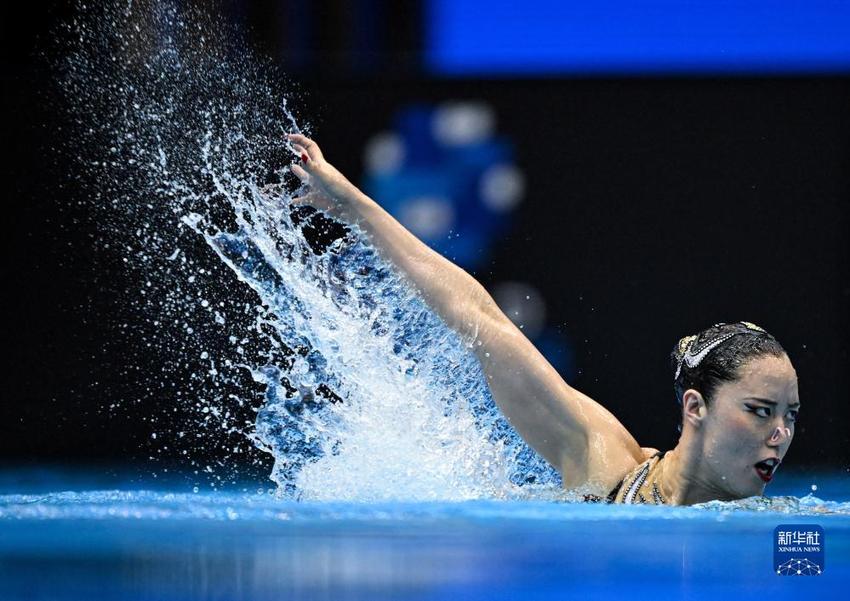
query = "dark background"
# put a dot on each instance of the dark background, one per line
(654, 208)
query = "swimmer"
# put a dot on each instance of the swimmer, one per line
(735, 384)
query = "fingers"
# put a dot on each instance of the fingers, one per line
(314, 199)
(313, 172)
(305, 146)
(301, 139)
(302, 154)
(300, 173)
(307, 199)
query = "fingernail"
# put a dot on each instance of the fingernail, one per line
(304, 157)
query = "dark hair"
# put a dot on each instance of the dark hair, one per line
(725, 348)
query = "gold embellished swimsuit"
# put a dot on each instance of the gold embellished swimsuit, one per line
(640, 486)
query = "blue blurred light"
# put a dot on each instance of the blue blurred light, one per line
(622, 37)
(436, 174)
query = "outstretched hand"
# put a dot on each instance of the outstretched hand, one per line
(328, 189)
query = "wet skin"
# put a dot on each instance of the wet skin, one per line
(747, 421)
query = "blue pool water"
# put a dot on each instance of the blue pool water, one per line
(228, 545)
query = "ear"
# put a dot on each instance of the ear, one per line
(694, 408)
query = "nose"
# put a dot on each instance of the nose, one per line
(780, 435)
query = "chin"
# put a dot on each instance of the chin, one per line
(759, 491)
(756, 490)
(749, 489)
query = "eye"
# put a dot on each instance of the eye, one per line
(793, 413)
(756, 410)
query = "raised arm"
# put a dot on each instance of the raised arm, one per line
(582, 439)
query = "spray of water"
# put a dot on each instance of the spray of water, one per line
(354, 387)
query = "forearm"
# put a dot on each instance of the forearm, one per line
(459, 300)
(457, 297)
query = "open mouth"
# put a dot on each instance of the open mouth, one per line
(767, 468)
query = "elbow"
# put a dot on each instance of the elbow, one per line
(477, 311)
(457, 297)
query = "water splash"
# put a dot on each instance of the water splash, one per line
(364, 393)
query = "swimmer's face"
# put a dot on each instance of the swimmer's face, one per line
(748, 421)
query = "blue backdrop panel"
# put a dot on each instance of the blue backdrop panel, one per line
(620, 37)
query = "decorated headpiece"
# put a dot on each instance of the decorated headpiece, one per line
(692, 355)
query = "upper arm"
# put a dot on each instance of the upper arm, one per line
(577, 435)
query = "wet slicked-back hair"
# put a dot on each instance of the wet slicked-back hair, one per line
(706, 360)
